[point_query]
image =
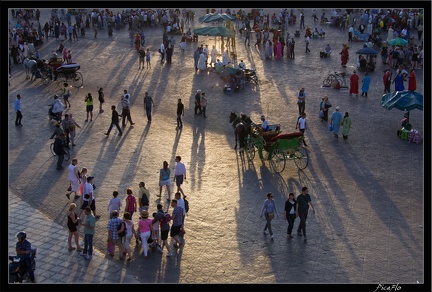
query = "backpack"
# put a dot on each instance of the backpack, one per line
(186, 204)
(123, 233)
(166, 218)
(144, 200)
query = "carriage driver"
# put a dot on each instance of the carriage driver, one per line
(264, 125)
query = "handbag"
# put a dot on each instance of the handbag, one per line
(271, 215)
(321, 114)
(331, 127)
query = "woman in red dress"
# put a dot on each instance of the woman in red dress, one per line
(344, 55)
(412, 81)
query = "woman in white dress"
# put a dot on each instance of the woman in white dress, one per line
(268, 50)
(214, 55)
(202, 62)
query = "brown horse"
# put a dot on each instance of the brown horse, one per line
(242, 128)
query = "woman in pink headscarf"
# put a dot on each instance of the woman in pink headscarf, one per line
(278, 50)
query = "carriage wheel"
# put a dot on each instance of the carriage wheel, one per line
(78, 80)
(301, 157)
(278, 160)
(250, 149)
(61, 78)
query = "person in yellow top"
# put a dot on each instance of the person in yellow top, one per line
(89, 106)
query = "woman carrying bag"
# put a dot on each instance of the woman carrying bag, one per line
(269, 211)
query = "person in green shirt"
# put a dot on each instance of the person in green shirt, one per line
(303, 203)
(89, 229)
(89, 106)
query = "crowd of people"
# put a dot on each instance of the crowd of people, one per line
(82, 185)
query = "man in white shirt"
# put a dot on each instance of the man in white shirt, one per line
(179, 174)
(301, 124)
(88, 198)
(162, 52)
(125, 101)
(74, 178)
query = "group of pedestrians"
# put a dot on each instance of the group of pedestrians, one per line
(294, 208)
(81, 185)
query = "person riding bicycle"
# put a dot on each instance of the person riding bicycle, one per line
(57, 106)
(23, 250)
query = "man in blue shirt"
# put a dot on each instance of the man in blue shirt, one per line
(17, 107)
(264, 125)
(23, 250)
(177, 218)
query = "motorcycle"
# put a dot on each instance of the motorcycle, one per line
(18, 270)
(54, 116)
(250, 76)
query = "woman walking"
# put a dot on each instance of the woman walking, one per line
(130, 202)
(164, 179)
(130, 231)
(269, 211)
(346, 125)
(72, 223)
(145, 228)
(290, 213)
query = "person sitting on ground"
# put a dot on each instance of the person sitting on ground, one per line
(219, 66)
(321, 32)
(242, 65)
(315, 33)
(327, 49)
(189, 34)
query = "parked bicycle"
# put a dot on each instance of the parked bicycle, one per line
(333, 79)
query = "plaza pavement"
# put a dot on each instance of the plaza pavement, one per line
(367, 191)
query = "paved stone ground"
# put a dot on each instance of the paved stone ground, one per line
(368, 228)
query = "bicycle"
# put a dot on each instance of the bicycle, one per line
(334, 78)
(66, 150)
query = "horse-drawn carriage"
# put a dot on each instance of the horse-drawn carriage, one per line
(278, 148)
(54, 70)
(271, 145)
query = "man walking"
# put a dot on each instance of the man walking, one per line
(301, 124)
(247, 39)
(180, 113)
(74, 178)
(303, 203)
(125, 101)
(179, 174)
(17, 107)
(148, 102)
(89, 229)
(59, 150)
(197, 108)
(113, 236)
(307, 40)
(114, 121)
(177, 218)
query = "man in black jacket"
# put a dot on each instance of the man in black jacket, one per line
(114, 121)
(59, 144)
